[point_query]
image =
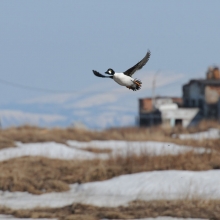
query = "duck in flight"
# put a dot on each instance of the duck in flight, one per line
(125, 78)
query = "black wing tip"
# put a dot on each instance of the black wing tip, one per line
(148, 55)
(96, 72)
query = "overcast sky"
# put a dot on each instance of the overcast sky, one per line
(55, 45)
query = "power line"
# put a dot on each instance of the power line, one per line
(17, 85)
(26, 87)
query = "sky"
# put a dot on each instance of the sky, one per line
(51, 47)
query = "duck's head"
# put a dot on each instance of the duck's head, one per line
(110, 71)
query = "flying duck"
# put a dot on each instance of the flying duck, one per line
(125, 78)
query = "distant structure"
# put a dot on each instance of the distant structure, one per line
(204, 94)
(200, 100)
(167, 111)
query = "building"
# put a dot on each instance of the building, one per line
(167, 111)
(204, 94)
(200, 100)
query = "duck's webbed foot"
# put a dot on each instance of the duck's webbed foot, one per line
(137, 83)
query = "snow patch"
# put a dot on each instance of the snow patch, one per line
(76, 150)
(155, 185)
(124, 148)
(49, 149)
(163, 218)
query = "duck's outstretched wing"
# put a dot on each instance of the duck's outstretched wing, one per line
(100, 75)
(139, 65)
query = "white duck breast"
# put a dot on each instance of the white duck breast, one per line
(123, 79)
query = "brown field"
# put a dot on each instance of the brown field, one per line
(39, 175)
(209, 209)
(28, 134)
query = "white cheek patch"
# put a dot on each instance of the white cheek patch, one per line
(110, 71)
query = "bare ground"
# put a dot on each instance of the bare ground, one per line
(39, 175)
(209, 209)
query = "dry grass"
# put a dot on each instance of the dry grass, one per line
(96, 150)
(39, 175)
(202, 126)
(5, 142)
(27, 134)
(209, 209)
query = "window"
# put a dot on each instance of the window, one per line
(200, 103)
(186, 102)
(178, 122)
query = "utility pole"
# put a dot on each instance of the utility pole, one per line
(153, 88)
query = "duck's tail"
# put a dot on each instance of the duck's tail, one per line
(137, 84)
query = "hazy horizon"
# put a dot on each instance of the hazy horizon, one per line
(55, 45)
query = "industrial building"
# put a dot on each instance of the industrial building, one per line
(200, 100)
(204, 94)
(167, 111)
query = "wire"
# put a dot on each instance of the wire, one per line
(21, 86)
(17, 85)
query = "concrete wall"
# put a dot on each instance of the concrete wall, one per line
(170, 117)
(185, 115)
